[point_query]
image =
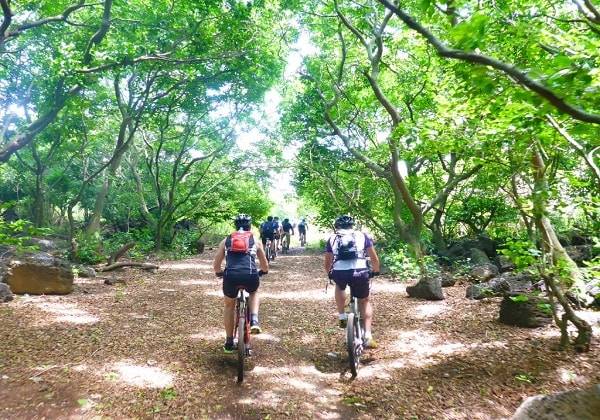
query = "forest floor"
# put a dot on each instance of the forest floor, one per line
(152, 348)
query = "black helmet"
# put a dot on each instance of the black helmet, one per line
(344, 222)
(243, 221)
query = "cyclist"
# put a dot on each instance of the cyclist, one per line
(346, 264)
(287, 229)
(240, 251)
(267, 232)
(302, 228)
(277, 234)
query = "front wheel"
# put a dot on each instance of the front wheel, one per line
(241, 346)
(352, 344)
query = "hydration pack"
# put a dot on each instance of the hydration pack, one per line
(346, 247)
(240, 242)
(268, 228)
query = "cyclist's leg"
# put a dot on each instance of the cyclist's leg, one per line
(253, 303)
(341, 281)
(229, 298)
(360, 288)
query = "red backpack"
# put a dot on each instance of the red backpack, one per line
(239, 242)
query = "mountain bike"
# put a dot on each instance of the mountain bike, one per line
(354, 336)
(270, 252)
(242, 329)
(285, 243)
(302, 238)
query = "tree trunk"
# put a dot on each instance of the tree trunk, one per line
(564, 268)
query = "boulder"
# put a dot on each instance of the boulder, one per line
(427, 288)
(579, 253)
(462, 247)
(593, 289)
(483, 272)
(504, 263)
(86, 272)
(523, 310)
(498, 286)
(581, 404)
(447, 280)
(478, 257)
(39, 273)
(5, 293)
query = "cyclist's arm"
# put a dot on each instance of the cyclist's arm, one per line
(262, 258)
(374, 258)
(219, 257)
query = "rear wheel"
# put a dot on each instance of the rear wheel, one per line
(241, 345)
(352, 344)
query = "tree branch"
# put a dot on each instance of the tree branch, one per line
(520, 76)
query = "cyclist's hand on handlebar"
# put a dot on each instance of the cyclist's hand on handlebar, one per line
(373, 274)
(219, 274)
(330, 275)
(262, 273)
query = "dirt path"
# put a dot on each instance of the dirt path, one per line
(151, 348)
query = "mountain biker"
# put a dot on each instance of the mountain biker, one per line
(287, 229)
(267, 232)
(302, 228)
(346, 264)
(240, 251)
(277, 234)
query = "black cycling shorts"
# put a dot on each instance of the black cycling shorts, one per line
(358, 280)
(266, 236)
(231, 284)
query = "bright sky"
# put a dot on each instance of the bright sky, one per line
(269, 116)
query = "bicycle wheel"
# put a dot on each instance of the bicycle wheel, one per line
(241, 345)
(352, 344)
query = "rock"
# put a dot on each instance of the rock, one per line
(593, 289)
(5, 293)
(531, 312)
(581, 404)
(427, 288)
(85, 271)
(498, 286)
(504, 263)
(39, 273)
(484, 272)
(462, 247)
(447, 280)
(579, 253)
(478, 257)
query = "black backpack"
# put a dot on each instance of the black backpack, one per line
(346, 247)
(268, 228)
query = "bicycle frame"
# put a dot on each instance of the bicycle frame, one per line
(242, 329)
(354, 336)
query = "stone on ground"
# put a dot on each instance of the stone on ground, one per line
(39, 274)
(484, 272)
(5, 293)
(580, 404)
(427, 288)
(527, 311)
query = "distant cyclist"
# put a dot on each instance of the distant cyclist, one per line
(267, 232)
(288, 230)
(277, 234)
(346, 264)
(240, 251)
(302, 228)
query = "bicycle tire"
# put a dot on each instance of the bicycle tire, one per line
(351, 344)
(241, 345)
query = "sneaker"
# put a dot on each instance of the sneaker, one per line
(254, 328)
(370, 343)
(228, 348)
(342, 323)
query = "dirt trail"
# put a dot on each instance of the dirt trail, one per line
(152, 348)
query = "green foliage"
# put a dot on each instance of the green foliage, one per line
(522, 253)
(89, 249)
(19, 232)
(400, 263)
(519, 298)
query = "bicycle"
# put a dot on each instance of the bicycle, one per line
(302, 239)
(285, 243)
(242, 328)
(354, 336)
